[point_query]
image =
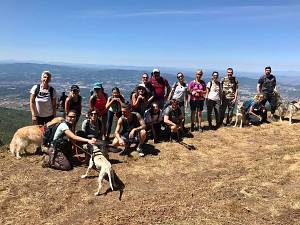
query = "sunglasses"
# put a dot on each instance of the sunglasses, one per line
(72, 116)
(145, 77)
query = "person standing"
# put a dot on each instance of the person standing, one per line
(229, 85)
(113, 105)
(213, 99)
(43, 101)
(74, 102)
(197, 89)
(267, 86)
(149, 88)
(160, 85)
(179, 92)
(98, 103)
(62, 101)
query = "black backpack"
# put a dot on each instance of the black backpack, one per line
(38, 88)
(49, 134)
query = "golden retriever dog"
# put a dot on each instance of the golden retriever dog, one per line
(28, 135)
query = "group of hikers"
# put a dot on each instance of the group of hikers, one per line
(155, 109)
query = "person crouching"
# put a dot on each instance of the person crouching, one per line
(130, 129)
(173, 118)
(60, 152)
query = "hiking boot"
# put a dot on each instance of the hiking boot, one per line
(140, 151)
(46, 162)
(38, 151)
(192, 128)
(125, 152)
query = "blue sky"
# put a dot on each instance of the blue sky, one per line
(246, 35)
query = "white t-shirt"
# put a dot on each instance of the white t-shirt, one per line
(43, 101)
(180, 92)
(214, 91)
(60, 130)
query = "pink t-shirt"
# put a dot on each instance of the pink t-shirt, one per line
(194, 87)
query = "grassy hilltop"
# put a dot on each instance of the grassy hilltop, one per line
(235, 176)
(10, 121)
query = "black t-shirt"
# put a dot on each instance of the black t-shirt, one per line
(268, 83)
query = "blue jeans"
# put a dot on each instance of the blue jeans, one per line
(110, 119)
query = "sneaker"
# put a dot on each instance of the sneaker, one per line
(45, 162)
(140, 151)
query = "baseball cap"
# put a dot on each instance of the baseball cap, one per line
(98, 85)
(156, 71)
(74, 87)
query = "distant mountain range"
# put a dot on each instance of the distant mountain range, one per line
(16, 79)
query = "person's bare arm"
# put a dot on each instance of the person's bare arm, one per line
(54, 106)
(168, 121)
(117, 132)
(33, 110)
(72, 136)
(67, 105)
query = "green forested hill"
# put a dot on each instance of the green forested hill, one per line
(10, 121)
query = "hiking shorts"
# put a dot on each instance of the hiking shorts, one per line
(135, 139)
(196, 105)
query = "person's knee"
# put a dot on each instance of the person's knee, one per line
(115, 142)
(143, 133)
(173, 129)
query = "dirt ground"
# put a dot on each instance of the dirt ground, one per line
(235, 176)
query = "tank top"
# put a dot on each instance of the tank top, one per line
(76, 105)
(100, 105)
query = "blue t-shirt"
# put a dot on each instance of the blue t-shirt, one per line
(60, 131)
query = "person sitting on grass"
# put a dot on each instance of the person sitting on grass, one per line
(257, 113)
(173, 118)
(130, 129)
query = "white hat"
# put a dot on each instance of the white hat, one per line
(156, 71)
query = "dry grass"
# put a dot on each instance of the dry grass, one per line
(236, 176)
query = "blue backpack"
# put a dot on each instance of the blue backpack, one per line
(247, 104)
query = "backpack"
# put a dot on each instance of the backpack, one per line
(220, 90)
(49, 134)
(173, 90)
(38, 88)
(201, 82)
(218, 82)
(247, 104)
